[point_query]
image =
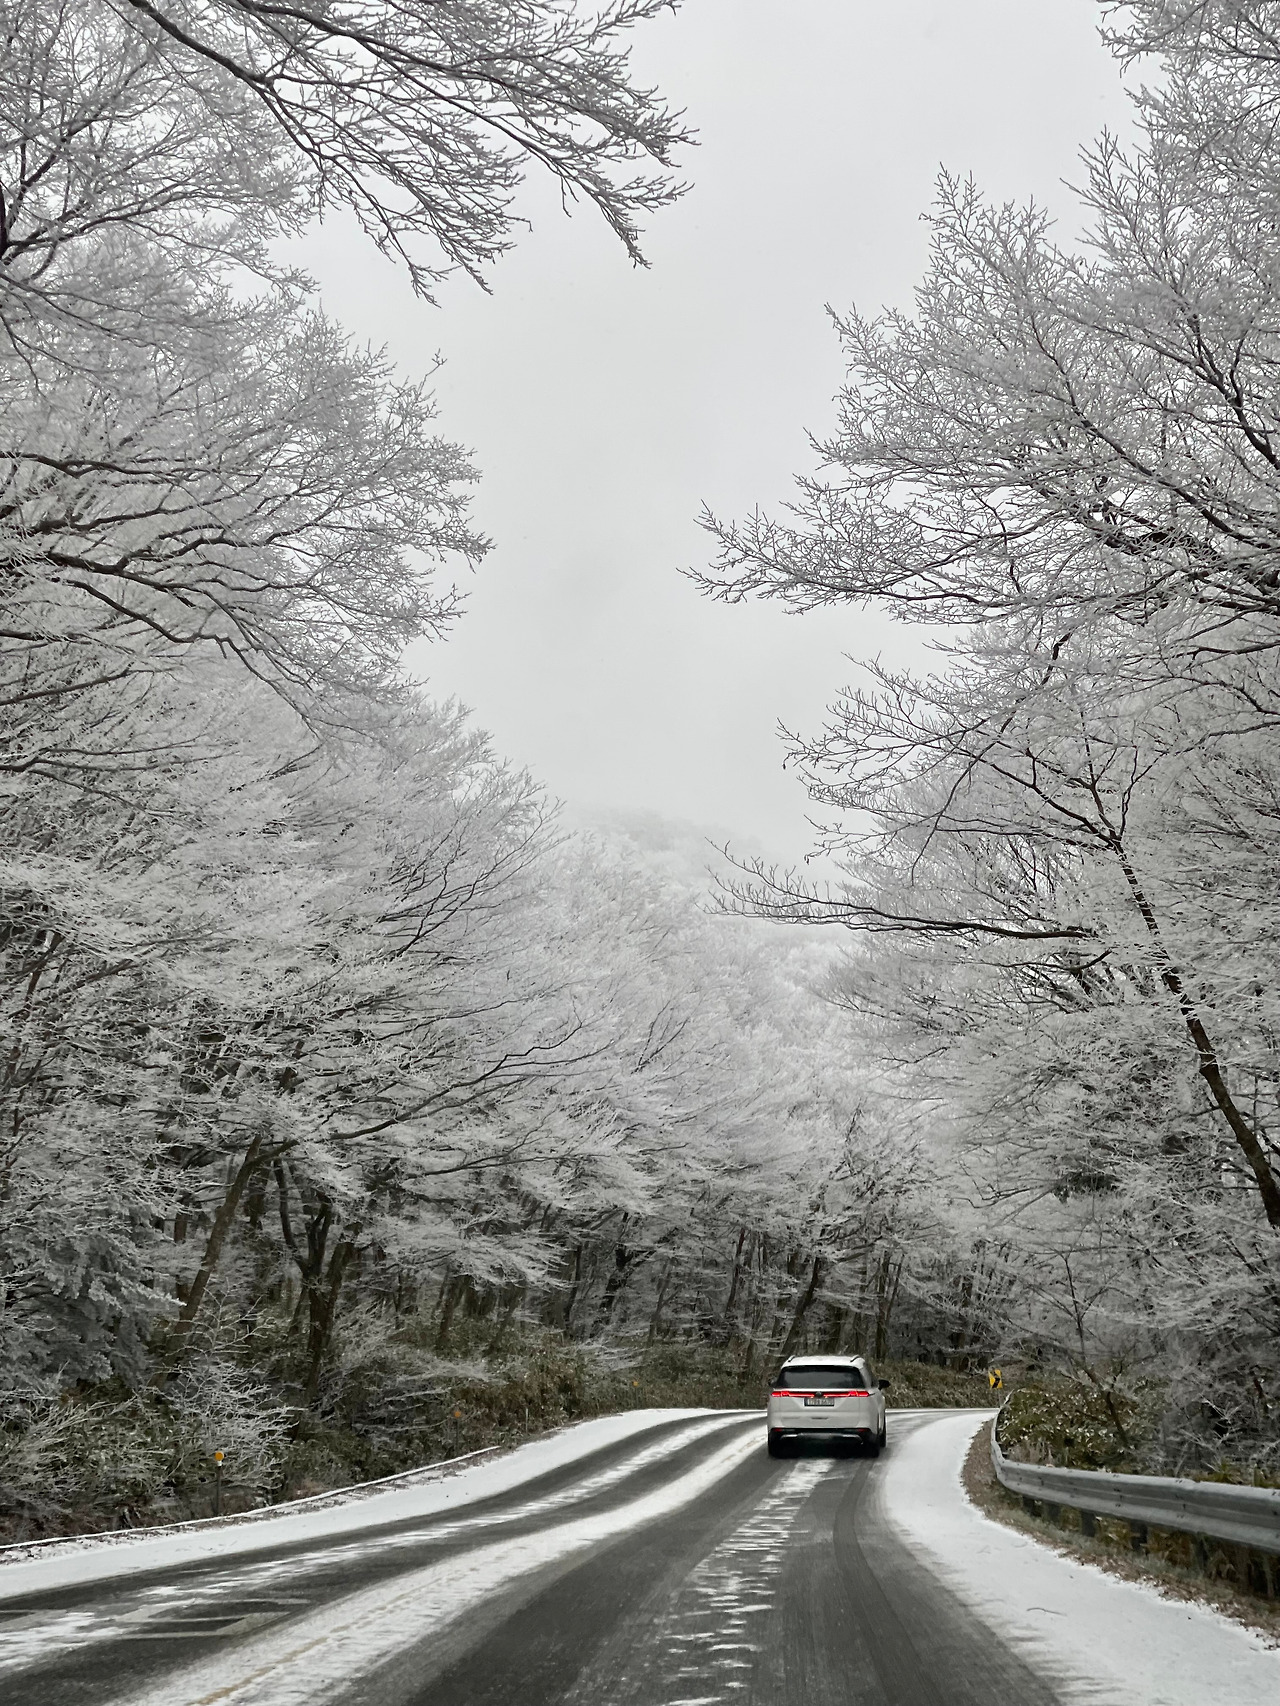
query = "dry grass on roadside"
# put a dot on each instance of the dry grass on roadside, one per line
(1173, 1580)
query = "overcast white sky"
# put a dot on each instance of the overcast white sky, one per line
(605, 403)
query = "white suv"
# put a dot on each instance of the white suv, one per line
(827, 1395)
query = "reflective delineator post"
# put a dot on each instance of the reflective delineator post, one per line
(217, 1483)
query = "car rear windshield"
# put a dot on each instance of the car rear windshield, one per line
(816, 1379)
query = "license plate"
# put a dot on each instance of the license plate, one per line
(820, 1403)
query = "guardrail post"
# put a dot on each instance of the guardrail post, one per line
(1088, 1524)
(1054, 1513)
(1029, 1505)
(1137, 1536)
(1200, 1552)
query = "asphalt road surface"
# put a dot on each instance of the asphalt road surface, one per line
(782, 1583)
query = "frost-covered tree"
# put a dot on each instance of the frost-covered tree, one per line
(210, 127)
(1059, 844)
(191, 454)
(324, 1046)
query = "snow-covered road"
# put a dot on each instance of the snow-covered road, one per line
(660, 1559)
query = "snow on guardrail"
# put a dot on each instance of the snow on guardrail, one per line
(1245, 1516)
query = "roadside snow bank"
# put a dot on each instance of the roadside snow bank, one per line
(97, 1557)
(1100, 1639)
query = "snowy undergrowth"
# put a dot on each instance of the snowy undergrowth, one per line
(1183, 1425)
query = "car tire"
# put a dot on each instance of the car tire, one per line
(884, 1435)
(775, 1443)
(873, 1446)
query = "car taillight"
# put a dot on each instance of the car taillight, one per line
(811, 1394)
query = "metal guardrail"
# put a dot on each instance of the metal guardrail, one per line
(1244, 1516)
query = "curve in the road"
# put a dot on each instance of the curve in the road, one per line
(120, 1640)
(680, 1567)
(785, 1586)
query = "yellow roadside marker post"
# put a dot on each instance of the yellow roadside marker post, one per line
(217, 1483)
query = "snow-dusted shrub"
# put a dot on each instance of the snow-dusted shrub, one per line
(1073, 1424)
(219, 1406)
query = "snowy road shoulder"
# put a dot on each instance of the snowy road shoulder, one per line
(1101, 1639)
(107, 1557)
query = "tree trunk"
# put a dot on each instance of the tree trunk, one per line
(450, 1292)
(803, 1305)
(324, 1311)
(734, 1284)
(1210, 1066)
(784, 1292)
(837, 1325)
(886, 1297)
(575, 1285)
(222, 1222)
(656, 1318)
(626, 1259)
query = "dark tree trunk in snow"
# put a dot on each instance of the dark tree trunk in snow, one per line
(626, 1259)
(450, 1292)
(784, 1295)
(655, 1319)
(324, 1311)
(734, 1283)
(1210, 1065)
(804, 1303)
(888, 1279)
(575, 1285)
(222, 1222)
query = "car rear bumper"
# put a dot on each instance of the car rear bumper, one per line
(847, 1416)
(847, 1430)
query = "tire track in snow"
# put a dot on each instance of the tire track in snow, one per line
(705, 1644)
(28, 1637)
(318, 1656)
